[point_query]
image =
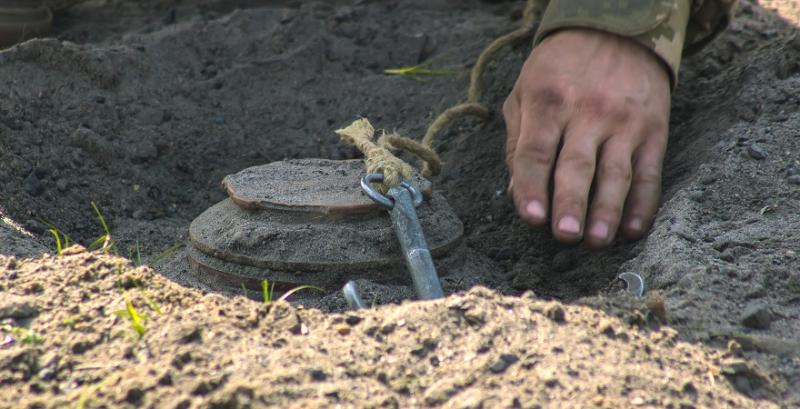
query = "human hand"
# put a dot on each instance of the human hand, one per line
(591, 111)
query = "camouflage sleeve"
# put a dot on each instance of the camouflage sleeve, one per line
(665, 26)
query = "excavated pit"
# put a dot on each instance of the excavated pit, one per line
(249, 89)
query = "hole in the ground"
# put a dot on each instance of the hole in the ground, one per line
(149, 129)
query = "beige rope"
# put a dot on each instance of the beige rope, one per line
(379, 158)
(378, 155)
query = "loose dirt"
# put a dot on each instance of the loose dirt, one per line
(143, 107)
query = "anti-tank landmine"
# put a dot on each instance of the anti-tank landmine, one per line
(307, 221)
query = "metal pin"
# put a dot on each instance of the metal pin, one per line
(634, 283)
(402, 202)
(351, 295)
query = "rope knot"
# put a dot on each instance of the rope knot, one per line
(379, 159)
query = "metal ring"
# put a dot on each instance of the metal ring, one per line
(386, 201)
(634, 283)
(376, 196)
(415, 193)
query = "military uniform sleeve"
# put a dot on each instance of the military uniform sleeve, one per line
(667, 27)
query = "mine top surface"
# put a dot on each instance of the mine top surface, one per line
(306, 185)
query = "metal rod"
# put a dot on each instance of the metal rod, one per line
(412, 242)
(352, 296)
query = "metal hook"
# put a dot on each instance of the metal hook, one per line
(634, 283)
(378, 197)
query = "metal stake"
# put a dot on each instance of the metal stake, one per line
(402, 202)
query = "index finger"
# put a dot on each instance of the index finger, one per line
(534, 156)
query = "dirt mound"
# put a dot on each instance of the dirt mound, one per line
(478, 349)
(143, 107)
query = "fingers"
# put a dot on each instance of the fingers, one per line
(645, 191)
(613, 181)
(575, 170)
(532, 161)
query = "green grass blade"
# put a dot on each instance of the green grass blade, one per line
(137, 321)
(54, 233)
(102, 220)
(265, 291)
(138, 254)
(108, 243)
(168, 251)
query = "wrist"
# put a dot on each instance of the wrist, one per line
(657, 25)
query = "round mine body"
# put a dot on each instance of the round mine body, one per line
(307, 221)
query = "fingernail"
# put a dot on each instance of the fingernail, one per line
(635, 225)
(599, 231)
(569, 224)
(510, 184)
(535, 210)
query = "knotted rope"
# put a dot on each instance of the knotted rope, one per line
(379, 156)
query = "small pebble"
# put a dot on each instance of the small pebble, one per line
(756, 152)
(18, 309)
(352, 320)
(33, 185)
(757, 316)
(503, 362)
(556, 313)
(698, 196)
(564, 261)
(794, 180)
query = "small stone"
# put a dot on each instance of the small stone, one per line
(61, 185)
(708, 180)
(81, 347)
(548, 376)
(606, 328)
(503, 362)
(317, 375)
(698, 196)
(190, 334)
(756, 152)
(33, 185)
(757, 316)
(352, 320)
(134, 395)
(564, 261)
(555, 312)
(505, 253)
(17, 309)
(792, 170)
(11, 263)
(794, 180)
(343, 330)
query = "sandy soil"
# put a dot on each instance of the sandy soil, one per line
(143, 107)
